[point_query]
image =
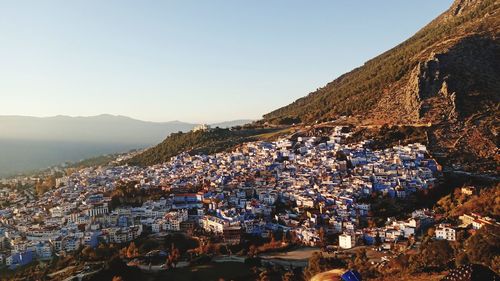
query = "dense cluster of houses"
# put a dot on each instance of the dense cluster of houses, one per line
(303, 185)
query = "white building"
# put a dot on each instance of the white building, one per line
(98, 209)
(347, 241)
(212, 224)
(56, 212)
(445, 231)
(201, 127)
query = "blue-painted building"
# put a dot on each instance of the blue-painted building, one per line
(122, 221)
(21, 259)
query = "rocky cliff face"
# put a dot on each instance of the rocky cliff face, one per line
(446, 77)
(458, 92)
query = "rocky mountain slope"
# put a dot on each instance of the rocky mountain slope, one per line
(446, 77)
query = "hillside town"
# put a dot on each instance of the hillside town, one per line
(307, 186)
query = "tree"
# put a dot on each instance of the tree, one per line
(314, 266)
(273, 238)
(484, 246)
(431, 232)
(318, 263)
(264, 276)
(321, 234)
(270, 274)
(378, 240)
(123, 252)
(432, 255)
(289, 276)
(361, 258)
(44, 185)
(461, 259)
(149, 245)
(252, 251)
(88, 253)
(173, 257)
(361, 263)
(104, 251)
(132, 251)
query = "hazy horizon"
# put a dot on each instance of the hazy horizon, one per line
(30, 143)
(215, 122)
(198, 62)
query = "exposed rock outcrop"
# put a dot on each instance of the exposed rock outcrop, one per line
(447, 74)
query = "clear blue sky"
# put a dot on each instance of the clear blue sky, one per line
(198, 61)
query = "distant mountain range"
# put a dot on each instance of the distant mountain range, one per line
(28, 143)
